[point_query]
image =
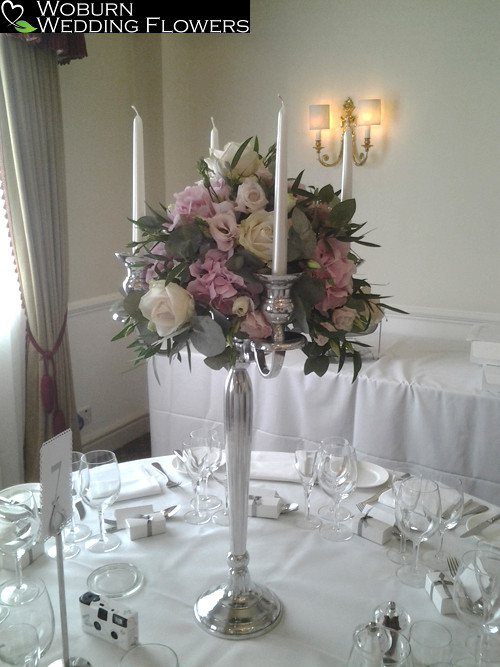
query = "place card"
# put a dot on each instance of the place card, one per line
(153, 524)
(371, 529)
(124, 513)
(440, 589)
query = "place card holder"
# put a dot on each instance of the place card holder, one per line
(372, 529)
(440, 589)
(152, 524)
(124, 513)
(264, 507)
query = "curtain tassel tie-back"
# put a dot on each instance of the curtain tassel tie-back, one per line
(48, 383)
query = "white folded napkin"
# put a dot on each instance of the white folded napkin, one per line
(387, 498)
(136, 483)
(275, 466)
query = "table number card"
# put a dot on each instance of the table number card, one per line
(55, 480)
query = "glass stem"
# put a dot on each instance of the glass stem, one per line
(102, 527)
(416, 549)
(197, 496)
(441, 541)
(19, 570)
(307, 498)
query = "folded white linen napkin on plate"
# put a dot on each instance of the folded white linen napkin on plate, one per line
(136, 483)
(387, 498)
(274, 466)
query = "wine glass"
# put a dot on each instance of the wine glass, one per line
(476, 593)
(452, 504)
(221, 517)
(100, 487)
(337, 476)
(19, 530)
(78, 531)
(418, 513)
(334, 512)
(403, 553)
(19, 645)
(37, 612)
(210, 436)
(306, 456)
(197, 460)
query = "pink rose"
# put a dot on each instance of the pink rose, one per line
(214, 284)
(336, 272)
(193, 201)
(343, 318)
(224, 230)
(256, 325)
(250, 196)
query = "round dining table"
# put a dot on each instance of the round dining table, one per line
(326, 588)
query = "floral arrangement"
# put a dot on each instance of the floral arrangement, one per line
(201, 258)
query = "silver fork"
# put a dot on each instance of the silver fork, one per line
(452, 565)
(170, 483)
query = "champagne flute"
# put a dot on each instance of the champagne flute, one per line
(306, 456)
(19, 530)
(100, 487)
(452, 504)
(418, 513)
(337, 477)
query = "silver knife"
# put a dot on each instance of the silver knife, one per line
(480, 526)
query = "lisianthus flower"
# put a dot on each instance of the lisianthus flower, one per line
(193, 202)
(224, 229)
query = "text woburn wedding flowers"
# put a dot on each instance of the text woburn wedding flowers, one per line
(203, 254)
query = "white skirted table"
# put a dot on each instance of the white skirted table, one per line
(326, 588)
(420, 401)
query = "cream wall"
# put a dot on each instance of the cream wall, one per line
(428, 190)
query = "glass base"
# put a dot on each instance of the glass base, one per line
(221, 518)
(197, 518)
(73, 662)
(11, 594)
(327, 512)
(411, 575)
(208, 502)
(485, 649)
(436, 560)
(340, 533)
(307, 523)
(230, 615)
(69, 551)
(80, 533)
(395, 555)
(101, 546)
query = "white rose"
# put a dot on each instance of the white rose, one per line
(247, 165)
(241, 305)
(256, 234)
(167, 307)
(343, 318)
(250, 196)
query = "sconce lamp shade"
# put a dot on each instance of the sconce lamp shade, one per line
(368, 112)
(319, 117)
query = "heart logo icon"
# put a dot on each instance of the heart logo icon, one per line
(11, 11)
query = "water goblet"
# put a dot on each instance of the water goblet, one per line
(476, 593)
(403, 553)
(212, 437)
(38, 613)
(99, 488)
(452, 504)
(418, 512)
(337, 476)
(195, 460)
(19, 530)
(221, 516)
(334, 512)
(306, 456)
(19, 645)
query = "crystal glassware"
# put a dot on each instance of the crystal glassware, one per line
(78, 531)
(403, 553)
(476, 593)
(418, 513)
(221, 516)
(19, 530)
(333, 512)
(99, 488)
(337, 477)
(306, 457)
(452, 504)
(212, 437)
(19, 645)
(196, 462)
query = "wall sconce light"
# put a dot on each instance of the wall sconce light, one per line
(368, 114)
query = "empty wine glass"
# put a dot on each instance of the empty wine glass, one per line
(452, 503)
(306, 457)
(78, 531)
(418, 512)
(476, 593)
(197, 459)
(100, 487)
(337, 476)
(404, 552)
(19, 530)
(221, 516)
(19, 645)
(38, 613)
(210, 436)
(334, 512)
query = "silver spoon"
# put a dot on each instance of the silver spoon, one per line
(289, 507)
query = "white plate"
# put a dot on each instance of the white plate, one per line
(370, 475)
(489, 534)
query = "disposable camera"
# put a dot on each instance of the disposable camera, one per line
(102, 618)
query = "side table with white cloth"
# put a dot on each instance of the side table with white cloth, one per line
(421, 401)
(327, 589)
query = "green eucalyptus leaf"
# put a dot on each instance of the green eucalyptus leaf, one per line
(318, 365)
(207, 336)
(342, 213)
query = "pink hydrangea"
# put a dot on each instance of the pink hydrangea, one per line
(214, 284)
(336, 272)
(193, 201)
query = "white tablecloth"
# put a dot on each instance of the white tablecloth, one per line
(326, 588)
(421, 401)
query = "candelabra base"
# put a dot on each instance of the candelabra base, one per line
(224, 613)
